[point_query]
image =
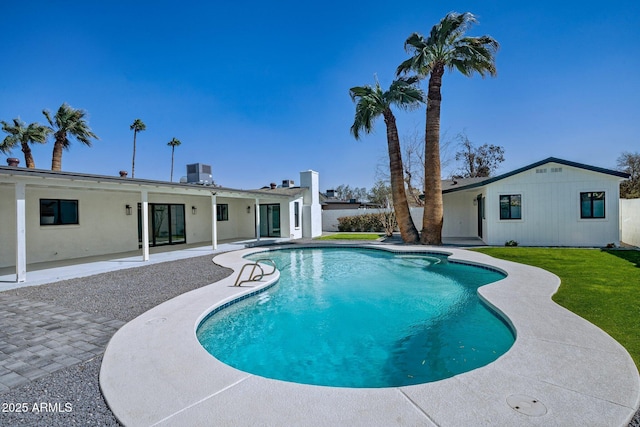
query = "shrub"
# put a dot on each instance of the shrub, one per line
(511, 243)
(372, 222)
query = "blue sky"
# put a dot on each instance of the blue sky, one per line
(259, 90)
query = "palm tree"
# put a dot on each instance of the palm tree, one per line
(447, 47)
(373, 102)
(137, 126)
(173, 144)
(67, 122)
(20, 133)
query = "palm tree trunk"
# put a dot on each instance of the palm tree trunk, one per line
(56, 159)
(172, 149)
(28, 157)
(432, 218)
(133, 162)
(408, 230)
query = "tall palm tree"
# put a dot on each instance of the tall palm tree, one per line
(447, 47)
(173, 144)
(20, 133)
(67, 122)
(372, 102)
(137, 126)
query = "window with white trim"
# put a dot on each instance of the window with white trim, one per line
(592, 204)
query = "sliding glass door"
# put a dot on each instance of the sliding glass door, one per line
(166, 224)
(270, 220)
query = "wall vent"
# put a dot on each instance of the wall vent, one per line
(543, 170)
(556, 170)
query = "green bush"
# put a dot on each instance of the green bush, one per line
(372, 222)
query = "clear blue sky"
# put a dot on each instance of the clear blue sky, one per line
(259, 90)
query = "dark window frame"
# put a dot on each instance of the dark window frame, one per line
(511, 204)
(593, 196)
(222, 212)
(55, 210)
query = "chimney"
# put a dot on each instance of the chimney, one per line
(273, 185)
(123, 174)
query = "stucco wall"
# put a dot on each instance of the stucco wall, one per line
(630, 221)
(8, 227)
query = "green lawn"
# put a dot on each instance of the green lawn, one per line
(602, 286)
(351, 236)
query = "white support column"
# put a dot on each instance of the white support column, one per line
(214, 221)
(144, 196)
(21, 233)
(257, 207)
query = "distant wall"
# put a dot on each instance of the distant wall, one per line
(330, 217)
(630, 221)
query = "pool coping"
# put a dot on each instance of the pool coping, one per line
(155, 372)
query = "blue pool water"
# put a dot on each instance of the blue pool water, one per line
(349, 317)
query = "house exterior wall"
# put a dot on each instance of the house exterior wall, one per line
(197, 227)
(8, 228)
(103, 226)
(551, 208)
(295, 232)
(312, 210)
(241, 224)
(460, 215)
(630, 221)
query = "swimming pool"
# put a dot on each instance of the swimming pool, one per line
(348, 317)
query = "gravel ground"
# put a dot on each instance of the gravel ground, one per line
(73, 394)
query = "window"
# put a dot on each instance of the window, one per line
(296, 214)
(222, 212)
(511, 206)
(58, 212)
(592, 204)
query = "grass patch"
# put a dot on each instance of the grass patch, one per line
(351, 236)
(602, 286)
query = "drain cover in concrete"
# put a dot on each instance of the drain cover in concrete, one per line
(526, 405)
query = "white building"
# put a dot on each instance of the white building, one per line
(57, 216)
(553, 202)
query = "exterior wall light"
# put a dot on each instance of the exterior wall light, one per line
(194, 210)
(127, 209)
(249, 209)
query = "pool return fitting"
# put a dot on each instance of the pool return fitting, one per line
(255, 276)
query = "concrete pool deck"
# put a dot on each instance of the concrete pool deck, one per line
(561, 369)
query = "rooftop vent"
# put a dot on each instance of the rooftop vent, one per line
(286, 183)
(198, 173)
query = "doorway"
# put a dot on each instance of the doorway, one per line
(480, 205)
(166, 224)
(270, 220)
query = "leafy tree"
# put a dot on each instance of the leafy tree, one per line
(478, 161)
(173, 144)
(137, 126)
(630, 163)
(372, 102)
(21, 134)
(381, 194)
(345, 192)
(67, 122)
(446, 47)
